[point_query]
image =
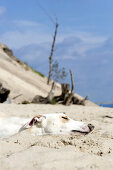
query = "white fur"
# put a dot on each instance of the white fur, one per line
(10, 125)
(47, 124)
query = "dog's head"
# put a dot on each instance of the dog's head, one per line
(58, 123)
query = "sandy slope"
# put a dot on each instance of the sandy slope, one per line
(23, 81)
(93, 151)
(20, 80)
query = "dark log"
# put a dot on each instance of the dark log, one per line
(39, 100)
(65, 92)
(4, 93)
(65, 89)
(75, 100)
(69, 99)
(82, 102)
(78, 101)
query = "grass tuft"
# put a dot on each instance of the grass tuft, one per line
(33, 70)
(25, 102)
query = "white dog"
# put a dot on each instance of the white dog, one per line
(56, 123)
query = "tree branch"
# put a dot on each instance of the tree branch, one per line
(72, 82)
(51, 54)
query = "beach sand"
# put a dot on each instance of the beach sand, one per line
(57, 152)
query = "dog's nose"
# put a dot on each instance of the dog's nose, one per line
(91, 127)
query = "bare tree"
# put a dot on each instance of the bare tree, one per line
(51, 54)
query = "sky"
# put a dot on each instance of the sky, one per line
(84, 41)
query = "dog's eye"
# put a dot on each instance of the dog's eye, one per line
(65, 117)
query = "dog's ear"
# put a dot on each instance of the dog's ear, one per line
(37, 119)
(34, 120)
(28, 124)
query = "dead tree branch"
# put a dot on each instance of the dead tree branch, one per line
(72, 82)
(51, 54)
(16, 96)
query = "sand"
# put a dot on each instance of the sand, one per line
(57, 152)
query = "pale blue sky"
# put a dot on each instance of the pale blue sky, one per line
(84, 40)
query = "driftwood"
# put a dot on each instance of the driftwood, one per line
(3, 94)
(67, 96)
(17, 96)
(45, 100)
(39, 99)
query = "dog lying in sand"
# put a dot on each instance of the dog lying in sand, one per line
(56, 123)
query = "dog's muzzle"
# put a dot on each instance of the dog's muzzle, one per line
(91, 127)
(87, 129)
